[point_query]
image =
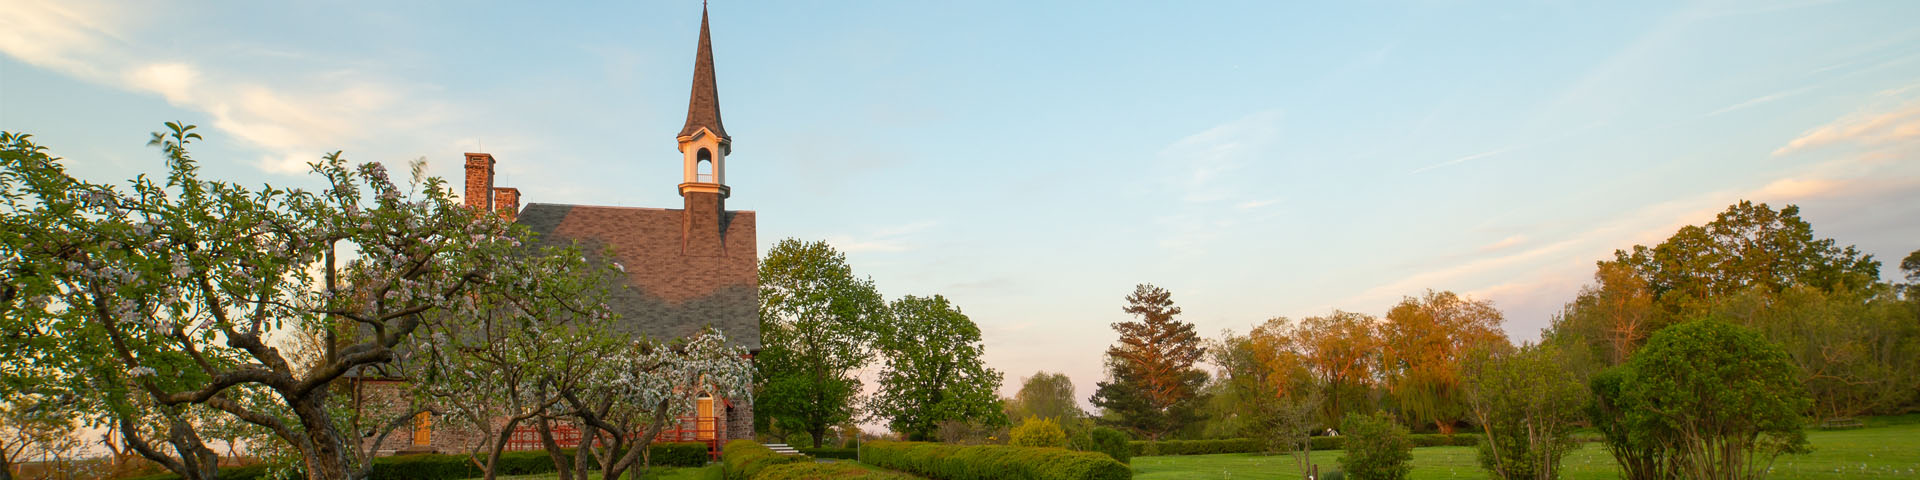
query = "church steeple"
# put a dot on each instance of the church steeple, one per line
(704, 146)
(703, 109)
(704, 143)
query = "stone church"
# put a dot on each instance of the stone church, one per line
(685, 268)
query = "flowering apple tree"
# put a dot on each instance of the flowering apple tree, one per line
(510, 364)
(150, 305)
(645, 388)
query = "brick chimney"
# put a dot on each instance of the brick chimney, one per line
(479, 193)
(506, 202)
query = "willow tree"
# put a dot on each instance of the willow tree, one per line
(1426, 339)
(1338, 352)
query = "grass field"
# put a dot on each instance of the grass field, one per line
(709, 472)
(1888, 448)
(1874, 452)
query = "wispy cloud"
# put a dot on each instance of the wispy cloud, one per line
(292, 123)
(1504, 243)
(1796, 188)
(1535, 281)
(894, 238)
(1758, 100)
(1866, 129)
(1204, 158)
(57, 35)
(1206, 172)
(1465, 159)
(1757, 8)
(1456, 277)
(1253, 204)
(1546, 140)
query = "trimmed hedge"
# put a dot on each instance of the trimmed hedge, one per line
(1194, 447)
(249, 472)
(456, 467)
(1438, 440)
(840, 453)
(1248, 445)
(745, 459)
(678, 454)
(834, 470)
(993, 462)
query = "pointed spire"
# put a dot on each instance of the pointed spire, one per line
(703, 109)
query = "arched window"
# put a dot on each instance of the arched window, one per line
(703, 171)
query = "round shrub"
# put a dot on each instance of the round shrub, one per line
(1113, 443)
(1377, 448)
(1717, 397)
(744, 459)
(1038, 432)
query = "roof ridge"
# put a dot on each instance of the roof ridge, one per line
(617, 207)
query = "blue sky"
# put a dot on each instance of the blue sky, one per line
(1035, 160)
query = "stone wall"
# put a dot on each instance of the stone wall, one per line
(739, 419)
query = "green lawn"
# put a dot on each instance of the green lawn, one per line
(710, 472)
(1877, 452)
(1888, 449)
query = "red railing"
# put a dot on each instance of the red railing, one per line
(687, 429)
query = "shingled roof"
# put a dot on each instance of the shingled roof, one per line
(670, 291)
(703, 107)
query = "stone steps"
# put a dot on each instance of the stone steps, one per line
(782, 449)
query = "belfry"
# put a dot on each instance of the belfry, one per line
(704, 146)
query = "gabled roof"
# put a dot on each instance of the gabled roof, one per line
(669, 294)
(703, 107)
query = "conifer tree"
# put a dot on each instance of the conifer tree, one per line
(1152, 386)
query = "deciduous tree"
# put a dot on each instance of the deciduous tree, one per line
(512, 362)
(1716, 397)
(933, 370)
(1612, 317)
(1341, 351)
(817, 327)
(1857, 349)
(1522, 400)
(1426, 339)
(152, 305)
(1045, 395)
(31, 426)
(1749, 245)
(642, 388)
